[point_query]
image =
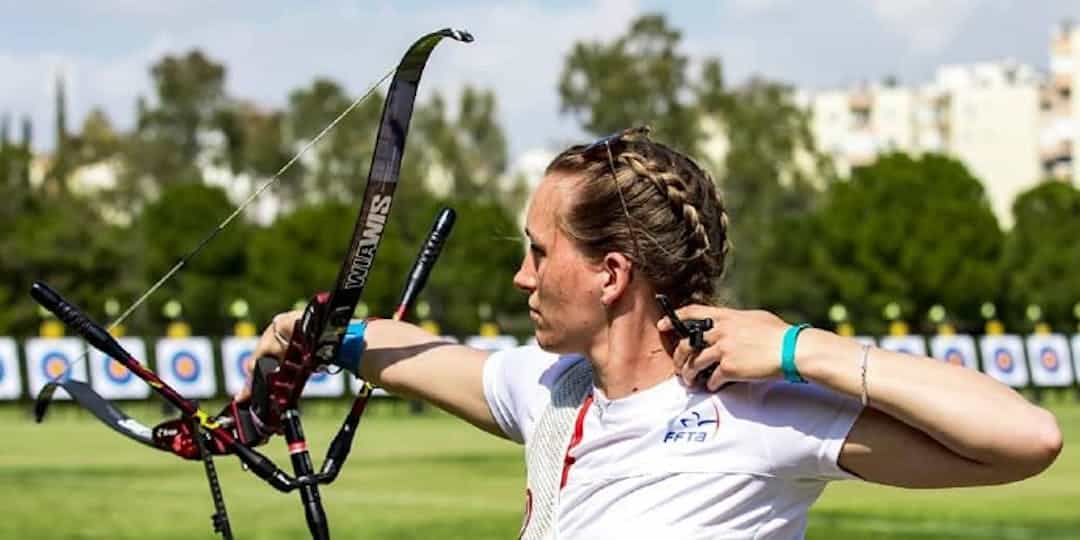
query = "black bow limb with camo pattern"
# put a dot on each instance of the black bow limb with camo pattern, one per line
(315, 341)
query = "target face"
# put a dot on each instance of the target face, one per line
(245, 362)
(55, 366)
(1004, 361)
(116, 372)
(185, 367)
(954, 356)
(1049, 359)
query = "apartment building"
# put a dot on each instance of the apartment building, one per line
(1010, 124)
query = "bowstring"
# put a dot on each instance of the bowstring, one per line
(225, 223)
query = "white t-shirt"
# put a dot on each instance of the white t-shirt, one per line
(675, 462)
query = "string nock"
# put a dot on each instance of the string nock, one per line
(693, 329)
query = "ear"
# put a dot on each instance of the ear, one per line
(616, 273)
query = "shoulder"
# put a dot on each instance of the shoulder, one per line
(517, 383)
(532, 365)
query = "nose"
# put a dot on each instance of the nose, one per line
(525, 278)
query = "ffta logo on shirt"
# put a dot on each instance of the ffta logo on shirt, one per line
(695, 426)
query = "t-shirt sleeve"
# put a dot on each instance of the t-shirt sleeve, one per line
(514, 386)
(804, 427)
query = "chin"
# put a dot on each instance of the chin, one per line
(554, 344)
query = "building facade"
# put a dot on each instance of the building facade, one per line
(1011, 125)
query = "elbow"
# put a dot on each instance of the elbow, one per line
(1041, 445)
(1049, 443)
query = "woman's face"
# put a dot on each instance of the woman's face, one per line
(564, 288)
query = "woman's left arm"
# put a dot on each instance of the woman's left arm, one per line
(928, 424)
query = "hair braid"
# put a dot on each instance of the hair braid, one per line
(675, 189)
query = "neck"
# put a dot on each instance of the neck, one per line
(629, 355)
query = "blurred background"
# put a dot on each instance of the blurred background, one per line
(902, 172)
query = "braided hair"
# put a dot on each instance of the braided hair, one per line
(654, 205)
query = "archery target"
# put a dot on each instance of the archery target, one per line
(187, 364)
(1003, 359)
(1048, 357)
(114, 381)
(49, 359)
(492, 343)
(911, 344)
(236, 361)
(958, 350)
(10, 383)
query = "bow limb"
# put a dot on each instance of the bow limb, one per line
(318, 334)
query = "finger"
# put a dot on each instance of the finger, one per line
(716, 380)
(699, 361)
(682, 353)
(245, 391)
(664, 325)
(698, 311)
(269, 344)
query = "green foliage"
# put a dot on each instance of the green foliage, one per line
(637, 79)
(765, 188)
(303, 252)
(477, 266)
(172, 226)
(63, 243)
(167, 143)
(917, 231)
(1042, 254)
(471, 149)
(344, 156)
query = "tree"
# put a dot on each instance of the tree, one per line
(172, 226)
(639, 78)
(169, 137)
(472, 148)
(98, 140)
(767, 174)
(57, 177)
(60, 240)
(918, 231)
(1042, 254)
(339, 165)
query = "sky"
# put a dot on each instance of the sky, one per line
(104, 48)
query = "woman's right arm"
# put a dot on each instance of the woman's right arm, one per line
(410, 362)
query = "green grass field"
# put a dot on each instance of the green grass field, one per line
(426, 476)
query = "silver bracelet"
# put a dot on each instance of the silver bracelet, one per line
(865, 357)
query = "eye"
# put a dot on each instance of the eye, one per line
(537, 254)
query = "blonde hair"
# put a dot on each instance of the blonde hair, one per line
(654, 205)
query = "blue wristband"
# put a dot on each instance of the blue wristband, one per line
(352, 348)
(787, 354)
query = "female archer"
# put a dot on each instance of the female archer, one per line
(633, 430)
